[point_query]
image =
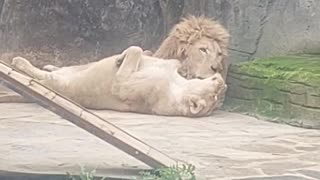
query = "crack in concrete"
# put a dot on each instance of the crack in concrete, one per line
(1, 7)
(1, 10)
(302, 83)
(273, 101)
(305, 106)
(249, 75)
(240, 51)
(234, 76)
(289, 92)
(250, 88)
(240, 98)
(263, 21)
(314, 95)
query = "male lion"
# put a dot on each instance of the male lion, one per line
(200, 44)
(132, 82)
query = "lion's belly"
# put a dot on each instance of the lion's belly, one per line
(98, 97)
(91, 88)
(103, 103)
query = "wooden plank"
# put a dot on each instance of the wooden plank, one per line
(83, 118)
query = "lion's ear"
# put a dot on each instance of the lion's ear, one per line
(181, 53)
(196, 104)
(171, 48)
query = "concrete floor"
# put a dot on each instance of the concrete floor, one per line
(223, 146)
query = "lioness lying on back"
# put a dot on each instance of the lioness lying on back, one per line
(132, 82)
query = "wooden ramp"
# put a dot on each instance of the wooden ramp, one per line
(83, 118)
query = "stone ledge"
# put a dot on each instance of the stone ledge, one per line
(281, 89)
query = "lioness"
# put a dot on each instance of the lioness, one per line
(132, 82)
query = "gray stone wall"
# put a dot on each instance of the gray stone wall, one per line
(262, 28)
(77, 31)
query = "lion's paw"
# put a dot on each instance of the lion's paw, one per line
(20, 63)
(215, 86)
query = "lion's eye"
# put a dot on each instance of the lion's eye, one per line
(219, 53)
(204, 50)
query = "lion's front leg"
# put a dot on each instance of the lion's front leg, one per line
(219, 88)
(25, 66)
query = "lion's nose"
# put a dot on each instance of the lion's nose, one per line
(216, 68)
(213, 69)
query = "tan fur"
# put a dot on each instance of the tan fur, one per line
(186, 41)
(132, 81)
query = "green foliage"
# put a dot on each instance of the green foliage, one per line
(186, 172)
(84, 175)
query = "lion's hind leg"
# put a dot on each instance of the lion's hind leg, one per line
(25, 66)
(130, 62)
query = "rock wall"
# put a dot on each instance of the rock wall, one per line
(74, 31)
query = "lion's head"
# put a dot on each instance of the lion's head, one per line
(200, 44)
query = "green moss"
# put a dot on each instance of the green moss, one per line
(302, 68)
